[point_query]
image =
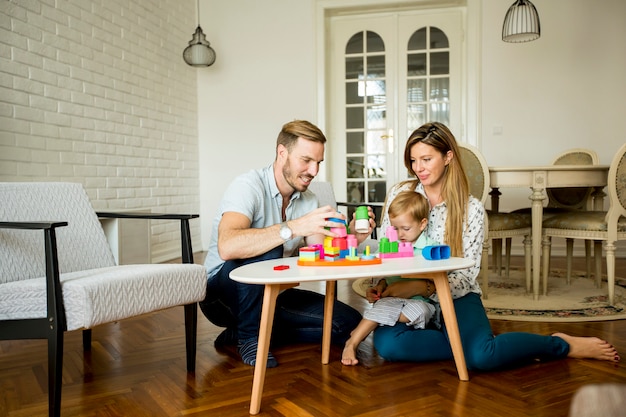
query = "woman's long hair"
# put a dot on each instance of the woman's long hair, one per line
(455, 186)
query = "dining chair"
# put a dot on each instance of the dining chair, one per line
(497, 225)
(563, 200)
(58, 273)
(597, 226)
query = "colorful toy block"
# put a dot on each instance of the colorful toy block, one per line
(342, 251)
(309, 253)
(436, 252)
(390, 247)
(336, 251)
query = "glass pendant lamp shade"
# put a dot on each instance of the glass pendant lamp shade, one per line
(521, 23)
(199, 52)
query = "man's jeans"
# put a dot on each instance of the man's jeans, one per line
(299, 313)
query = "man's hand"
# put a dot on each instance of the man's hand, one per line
(360, 237)
(316, 222)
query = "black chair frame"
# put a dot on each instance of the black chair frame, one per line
(53, 326)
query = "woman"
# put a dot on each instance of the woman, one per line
(431, 154)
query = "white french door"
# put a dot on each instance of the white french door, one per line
(389, 74)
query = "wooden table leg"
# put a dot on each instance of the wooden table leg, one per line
(329, 301)
(537, 198)
(265, 334)
(449, 317)
(598, 198)
(496, 250)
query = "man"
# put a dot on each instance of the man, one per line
(267, 214)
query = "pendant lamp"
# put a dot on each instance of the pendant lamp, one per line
(521, 23)
(199, 52)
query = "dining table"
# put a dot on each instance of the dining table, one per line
(538, 179)
(279, 274)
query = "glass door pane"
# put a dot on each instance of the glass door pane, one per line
(366, 117)
(389, 73)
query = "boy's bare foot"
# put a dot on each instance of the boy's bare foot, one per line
(348, 357)
(589, 348)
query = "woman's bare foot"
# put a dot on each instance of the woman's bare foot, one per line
(589, 348)
(348, 357)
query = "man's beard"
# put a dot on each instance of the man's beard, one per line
(293, 180)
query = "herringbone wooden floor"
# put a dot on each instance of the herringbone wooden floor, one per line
(137, 368)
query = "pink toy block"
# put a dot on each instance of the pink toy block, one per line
(339, 231)
(320, 248)
(391, 233)
(405, 247)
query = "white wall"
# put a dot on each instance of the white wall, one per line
(264, 76)
(97, 92)
(564, 90)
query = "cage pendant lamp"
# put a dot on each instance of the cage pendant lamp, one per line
(199, 52)
(521, 23)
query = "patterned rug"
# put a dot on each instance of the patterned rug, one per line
(580, 301)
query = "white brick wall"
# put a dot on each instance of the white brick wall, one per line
(97, 92)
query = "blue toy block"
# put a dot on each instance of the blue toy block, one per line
(436, 252)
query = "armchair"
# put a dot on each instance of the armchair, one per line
(57, 274)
